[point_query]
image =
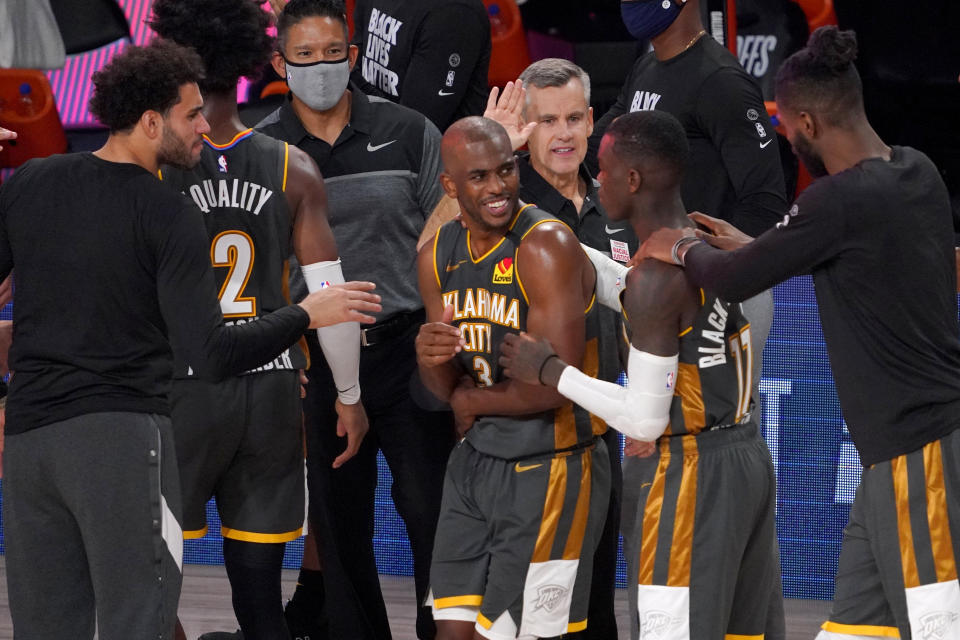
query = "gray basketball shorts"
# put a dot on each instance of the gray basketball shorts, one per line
(708, 556)
(515, 540)
(897, 576)
(240, 440)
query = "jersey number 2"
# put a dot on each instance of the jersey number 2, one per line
(234, 250)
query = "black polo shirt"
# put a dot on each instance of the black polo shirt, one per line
(382, 181)
(591, 225)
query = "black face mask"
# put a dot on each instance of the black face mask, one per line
(645, 19)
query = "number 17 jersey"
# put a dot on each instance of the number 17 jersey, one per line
(239, 189)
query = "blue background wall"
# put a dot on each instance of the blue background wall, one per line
(817, 467)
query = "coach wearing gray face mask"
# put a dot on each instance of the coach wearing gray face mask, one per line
(380, 163)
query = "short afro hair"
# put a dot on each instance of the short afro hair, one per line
(821, 78)
(297, 10)
(142, 79)
(230, 36)
(650, 136)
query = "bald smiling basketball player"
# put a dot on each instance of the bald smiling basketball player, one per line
(508, 269)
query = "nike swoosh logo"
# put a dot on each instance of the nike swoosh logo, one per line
(521, 468)
(763, 145)
(377, 147)
(611, 231)
(454, 267)
(645, 485)
(444, 93)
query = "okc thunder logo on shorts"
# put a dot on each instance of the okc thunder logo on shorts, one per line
(222, 163)
(503, 272)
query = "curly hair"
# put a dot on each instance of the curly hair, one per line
(142, 79)
(297, 10)
(230, 36)
(821, 77)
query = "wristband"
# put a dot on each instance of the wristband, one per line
(675, 251)
(544, 364)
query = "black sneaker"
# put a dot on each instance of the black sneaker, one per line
(304, 624)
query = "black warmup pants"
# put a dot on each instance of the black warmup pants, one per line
(416, 444)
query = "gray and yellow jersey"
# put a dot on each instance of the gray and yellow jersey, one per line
(714, 372)
(239, 189)
(489, 302)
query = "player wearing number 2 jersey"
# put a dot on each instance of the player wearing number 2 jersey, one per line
(241, 440)
(707, 560)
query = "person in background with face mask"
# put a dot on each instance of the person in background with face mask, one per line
(381, 163)
(875, 231)
(734, 170)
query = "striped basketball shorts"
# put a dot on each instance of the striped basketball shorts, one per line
(708, 547)
(897, 576)
(515, 541)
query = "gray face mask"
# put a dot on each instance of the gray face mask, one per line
(320, 85)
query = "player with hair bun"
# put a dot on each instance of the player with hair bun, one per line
(876, 232)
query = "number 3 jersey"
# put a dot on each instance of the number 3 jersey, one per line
(714, 373)
(489, 302)
(239, 190)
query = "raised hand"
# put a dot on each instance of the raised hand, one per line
(508, 111)
(438, 342)
(345, 302)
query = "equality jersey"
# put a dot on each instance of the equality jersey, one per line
(714, 371)
(239, 188)
(489, 302)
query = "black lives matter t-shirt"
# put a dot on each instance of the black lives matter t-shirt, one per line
(429, 55)
(878, 239)
(112, 267)
(734, 171)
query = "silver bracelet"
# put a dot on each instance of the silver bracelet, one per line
(675, 251)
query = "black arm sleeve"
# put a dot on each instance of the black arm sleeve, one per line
(811, 234)
(618, 109)
(730, 110)
(188, 302)
(447, 34)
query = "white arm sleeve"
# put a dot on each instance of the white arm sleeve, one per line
(340, 342)
(641, 410)
(611, 277)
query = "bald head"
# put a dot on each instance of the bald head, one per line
(479, 170)
(472, 130)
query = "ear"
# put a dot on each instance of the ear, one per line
(152, 123)
(634, 180)
(589, 121)
(449, 186)
(809, 124)
(278, 64)
(352, 52)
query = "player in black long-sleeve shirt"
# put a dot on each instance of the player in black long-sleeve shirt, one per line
(875, 231)
(112, 270)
